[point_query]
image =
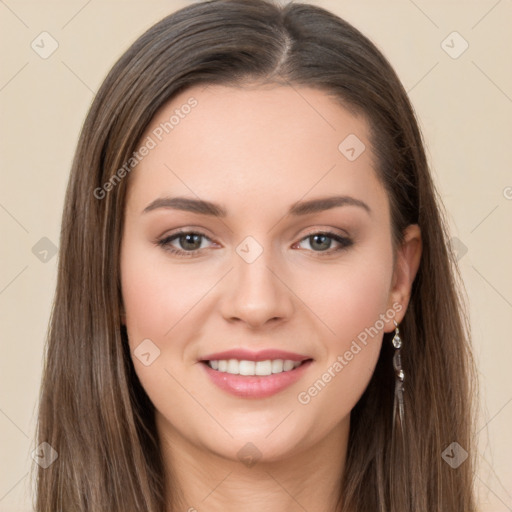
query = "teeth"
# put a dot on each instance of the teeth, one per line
(233, 366)
(243, 367)
(287, 365)
(277, 366)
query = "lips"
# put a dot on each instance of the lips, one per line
(263, 355)
(247, 374)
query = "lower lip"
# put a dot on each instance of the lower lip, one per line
(256, 386)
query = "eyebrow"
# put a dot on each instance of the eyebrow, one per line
(299, 208)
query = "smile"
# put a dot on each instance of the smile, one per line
(245, 367)
(249, 374)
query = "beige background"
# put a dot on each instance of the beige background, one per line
(464, 105)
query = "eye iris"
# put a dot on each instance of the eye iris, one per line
(190, 241)
(324, 241)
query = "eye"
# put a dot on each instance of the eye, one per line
(189, 242)
(321, 242)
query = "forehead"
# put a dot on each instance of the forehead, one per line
(241, 145)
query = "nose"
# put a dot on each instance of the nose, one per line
(256, 293)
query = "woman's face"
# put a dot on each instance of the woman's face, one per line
(285, 259)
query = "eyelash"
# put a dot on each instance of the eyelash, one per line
(344, 242)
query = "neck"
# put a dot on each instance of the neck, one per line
(198, 479)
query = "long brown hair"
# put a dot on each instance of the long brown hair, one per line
(93, 410)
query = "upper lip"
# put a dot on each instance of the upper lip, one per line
(248, 355)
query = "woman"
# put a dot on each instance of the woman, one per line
(256, 305)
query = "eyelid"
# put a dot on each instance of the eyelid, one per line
(327, 230)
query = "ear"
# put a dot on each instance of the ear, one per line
(407, 262)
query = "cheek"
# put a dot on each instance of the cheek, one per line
(157, 297)
(351, 300)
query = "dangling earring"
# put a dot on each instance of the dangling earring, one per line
(399, 378)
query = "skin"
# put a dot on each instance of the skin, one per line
(256, 151)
